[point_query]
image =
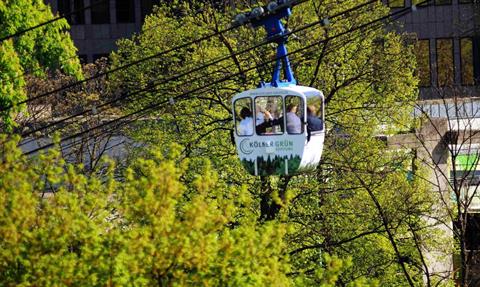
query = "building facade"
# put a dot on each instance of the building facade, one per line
(99, 24)
(447, 34)
(448, 47)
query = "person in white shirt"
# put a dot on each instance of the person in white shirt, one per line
(245, 127)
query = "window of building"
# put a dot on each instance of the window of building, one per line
(466, 58)
(476, 60)
(396, 3)
(443, 2)
(416, 2)
(472, 240)
(422, 53)
(445, 65)
(65, 8)
(79, 17)
(100, 12)
(147, 7)
(125, 11)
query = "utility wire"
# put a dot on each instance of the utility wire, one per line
(94, 110)
(184, 73)
(333, 48)
(111, 128)
(120, 124)
(147, 89)
(232, 27)
(155, 105)
(128, 65)
(398, 13)
(176, 77)
(19, 33)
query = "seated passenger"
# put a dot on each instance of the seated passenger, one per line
(260, 116)
(245, 127)
(294, 124)
(265, 121)
(313, 122)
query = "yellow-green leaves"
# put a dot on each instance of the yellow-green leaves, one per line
(12, 83)
(164, 223)
(34, 52)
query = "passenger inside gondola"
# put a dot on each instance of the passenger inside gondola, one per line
(275, 125)
(314, 123)
(271, 110)
(245, 128)
(294, 124)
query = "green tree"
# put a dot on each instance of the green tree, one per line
(367, 78)
(163, 224)
(33, 52)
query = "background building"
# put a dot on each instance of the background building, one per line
(448, 49)
(96, 30)
(448, 66)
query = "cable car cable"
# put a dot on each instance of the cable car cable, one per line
(308, 26)
(100, 133)
(232, 27)
(154, 105)
(84, 112)
(230, 76)
(207, 130)
(95, 109)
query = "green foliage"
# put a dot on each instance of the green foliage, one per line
(190, 214)
(49, 47)
(164, 224)
(359, 204)
(367, 210)
(143, 231)
(11, 83)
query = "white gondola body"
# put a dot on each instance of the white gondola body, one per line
(281, 154)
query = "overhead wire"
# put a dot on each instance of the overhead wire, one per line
(100, 133)
(185, 73)
(94, 110)
(154, 105)
(133, 63)
(297, 51)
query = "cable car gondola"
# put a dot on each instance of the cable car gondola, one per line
(280, 126)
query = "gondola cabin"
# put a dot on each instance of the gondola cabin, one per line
(279, 127)
(279, 130)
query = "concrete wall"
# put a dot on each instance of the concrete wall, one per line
(96, 39)
(454, 21)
